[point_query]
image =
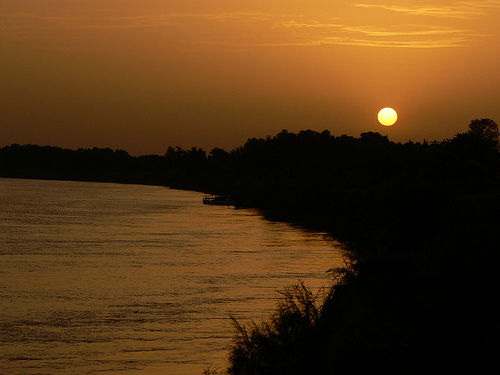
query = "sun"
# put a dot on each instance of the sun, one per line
(387, 116)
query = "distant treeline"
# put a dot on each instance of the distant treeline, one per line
(314, 178)
(97, 164)
(420, 221)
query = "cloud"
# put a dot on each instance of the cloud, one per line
(25, 20)
(313, 32)
(392, 43)
(293, 23)
(234, 16)
(461, 9)
(405, 36)
(274, 29)
(366, 36)
(404, 30)
(364, 42)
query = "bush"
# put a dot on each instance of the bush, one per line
(286, 344)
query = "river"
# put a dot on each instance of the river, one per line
(107, 278)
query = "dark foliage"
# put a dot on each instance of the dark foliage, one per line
(286, 344)
(102, 165)
(422, 223)
(420, 220)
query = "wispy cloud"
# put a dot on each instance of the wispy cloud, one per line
(294, 23)
(108, 20)
(407, 36)
(460, 9)
(347, 41)
(366, 36)
(404, 30)
(392, 43)
(234, 16)
(275, 29)
(424, 44)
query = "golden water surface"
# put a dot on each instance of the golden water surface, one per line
(107, 278)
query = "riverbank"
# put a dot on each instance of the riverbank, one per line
(421, 223)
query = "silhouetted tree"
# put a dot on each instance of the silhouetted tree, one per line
(485, 128)
(420, 221)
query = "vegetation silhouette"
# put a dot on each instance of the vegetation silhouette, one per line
(420, 222)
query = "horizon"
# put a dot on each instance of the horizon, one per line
(142, 76)
(232, 149)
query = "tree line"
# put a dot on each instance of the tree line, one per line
(419, 222)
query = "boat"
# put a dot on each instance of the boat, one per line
(219, 200)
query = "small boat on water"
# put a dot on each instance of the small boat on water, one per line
(220, 200)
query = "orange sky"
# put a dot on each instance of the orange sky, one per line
(144, 75)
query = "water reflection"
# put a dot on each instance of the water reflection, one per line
(103, 277)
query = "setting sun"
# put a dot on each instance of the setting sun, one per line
(144, 75)
(387, 116)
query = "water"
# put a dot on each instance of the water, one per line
(107, 278)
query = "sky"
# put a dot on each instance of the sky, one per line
(142, 75)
